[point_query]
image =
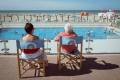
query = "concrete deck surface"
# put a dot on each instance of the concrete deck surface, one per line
(95, 67)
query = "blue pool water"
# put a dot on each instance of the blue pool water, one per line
(50, 33)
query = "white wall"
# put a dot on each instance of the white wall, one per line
(104, 46)
(98, 46)
(11, 45)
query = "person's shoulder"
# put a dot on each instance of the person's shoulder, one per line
(62, 33)
(35, 37)
(30, 38)
(24, 38)
(74, 33)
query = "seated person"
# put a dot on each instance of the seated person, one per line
(68, 32)
(30, 41)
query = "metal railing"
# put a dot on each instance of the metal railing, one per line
(89, 40)
(5, 49)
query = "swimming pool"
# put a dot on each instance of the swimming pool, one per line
(51, 32)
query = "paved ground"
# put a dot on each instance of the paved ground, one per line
(95, 67)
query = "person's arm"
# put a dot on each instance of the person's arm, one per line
(57, 38)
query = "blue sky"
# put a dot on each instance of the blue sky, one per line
(59, 4)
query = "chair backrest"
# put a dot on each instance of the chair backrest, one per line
(30, 46)
(71, 41)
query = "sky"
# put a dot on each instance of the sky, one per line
(59, 4)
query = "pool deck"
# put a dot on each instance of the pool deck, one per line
(95, 67)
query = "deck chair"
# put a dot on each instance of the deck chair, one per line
(73, 60)
(27, 64)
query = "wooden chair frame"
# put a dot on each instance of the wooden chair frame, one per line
(24, 65)
(72, 59)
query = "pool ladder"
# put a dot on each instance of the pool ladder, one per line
(89, 40)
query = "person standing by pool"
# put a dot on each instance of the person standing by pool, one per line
(68, 32)
(29, 37)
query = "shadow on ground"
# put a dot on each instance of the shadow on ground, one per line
(87, 66)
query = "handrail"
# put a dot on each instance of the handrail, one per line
(89, 40)
(5, 49)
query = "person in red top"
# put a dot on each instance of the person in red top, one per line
(68, 32)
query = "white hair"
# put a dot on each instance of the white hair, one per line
(68, 27)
